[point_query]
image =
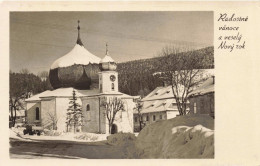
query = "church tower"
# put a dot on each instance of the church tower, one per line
(108, 77)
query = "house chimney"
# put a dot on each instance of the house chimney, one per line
(165, 84)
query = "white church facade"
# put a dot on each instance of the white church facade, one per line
(94, 80)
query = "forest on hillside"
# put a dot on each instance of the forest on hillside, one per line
(136, 77)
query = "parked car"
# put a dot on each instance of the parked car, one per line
(31, 130)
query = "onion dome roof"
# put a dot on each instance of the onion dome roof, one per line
(78, 55)
(79, 68)
(107, 58)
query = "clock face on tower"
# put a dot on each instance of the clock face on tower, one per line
(112, 78)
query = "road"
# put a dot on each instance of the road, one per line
(65, 149)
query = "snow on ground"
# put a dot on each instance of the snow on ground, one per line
(181, 137)
(17, 133)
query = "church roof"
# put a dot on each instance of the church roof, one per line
(107, 58)
(78, 55)
(62, 92)
(67, 92)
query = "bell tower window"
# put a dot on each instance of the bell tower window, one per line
(88, 107)
(113, 86)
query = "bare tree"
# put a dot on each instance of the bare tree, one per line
(24, 71)
(52, 119)
(138, 108)
(182, 72)
(112, 106)
(43, 75)
(15, 103)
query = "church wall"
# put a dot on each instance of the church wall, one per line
(48, 111)
(91, 122)
(31, 112)
(62, 104)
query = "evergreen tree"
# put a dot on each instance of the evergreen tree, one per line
(74, 113)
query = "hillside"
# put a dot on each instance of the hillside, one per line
(136, 77)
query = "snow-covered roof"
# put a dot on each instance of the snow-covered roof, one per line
(204, 88)
(159, 93)
(62, 92)
(159, 106)
(107, 58)
(78, 55)
(67, 92)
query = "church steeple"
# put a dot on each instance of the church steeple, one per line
(79, 42)
(107, 53)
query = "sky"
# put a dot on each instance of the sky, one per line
(37, 39)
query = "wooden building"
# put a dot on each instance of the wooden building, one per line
(202, 99)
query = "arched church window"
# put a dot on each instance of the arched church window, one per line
(37, 113)
(88, 107)
(113, 86)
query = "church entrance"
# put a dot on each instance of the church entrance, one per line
(114, 129)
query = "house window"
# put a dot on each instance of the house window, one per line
(147, 118)
(160, 116)
(195, 108)
(135, 119)
(113, 87)
(154, 118)
(37, 113)
(87, 107)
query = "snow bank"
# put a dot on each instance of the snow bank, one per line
(180, 137)
(121, 138)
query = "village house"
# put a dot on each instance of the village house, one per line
(158, 105)
(94, 80)
(202, 99)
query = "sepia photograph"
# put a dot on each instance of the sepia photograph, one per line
(111, 85)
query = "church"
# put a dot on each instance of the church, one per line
(93, 80)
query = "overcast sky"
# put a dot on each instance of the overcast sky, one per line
(37, 39)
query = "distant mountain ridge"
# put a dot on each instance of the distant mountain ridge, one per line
(136, 77)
